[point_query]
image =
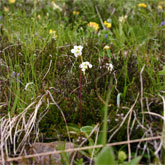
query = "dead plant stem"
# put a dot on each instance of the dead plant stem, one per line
(82, 148)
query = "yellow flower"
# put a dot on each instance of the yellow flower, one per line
(142, 5)
(6, 9)
(106, 47)
(162, 3)
(53, 33)
(160, 7)
(93, 25)
(11, 1)
(76, 12)
(107, 24)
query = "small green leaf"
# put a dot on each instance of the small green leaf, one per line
(86, 129)
(162, 72)
(106, 156)
(134, 161)
(118, 100)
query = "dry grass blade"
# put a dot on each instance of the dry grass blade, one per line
(163, 132)
(30, 123)
(54, 102)
(128, 136)
(97, 134)
(83, 148)
(141, 93)
(83, 142)
(124, 119)
(16, 130)
(155, 114)
(48, 70)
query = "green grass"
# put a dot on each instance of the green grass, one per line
(33, 62)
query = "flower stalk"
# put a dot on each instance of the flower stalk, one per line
(80, 97)
(80, 94)
(77, 51)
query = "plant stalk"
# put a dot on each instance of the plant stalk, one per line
(80, 97)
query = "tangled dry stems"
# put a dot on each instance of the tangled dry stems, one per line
(16, 130)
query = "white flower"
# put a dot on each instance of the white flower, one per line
(106, 47)
(109, 66)
(85, 65)
(77, 50)
(122, 19)
(55, 6)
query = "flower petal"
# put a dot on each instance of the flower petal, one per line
(90, 65)
(75, 47)
(72, 51)
(83, 69)
(80, 47)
